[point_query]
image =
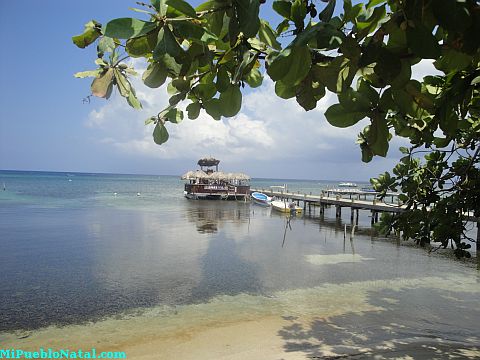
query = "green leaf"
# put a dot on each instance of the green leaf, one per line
(341, 117)
(453, 60)
(350, 48)
(205, 91)
(373, 3)
(133, 100)
(284, 91)
(370, 23)
(245, 66)
(354, 101)
(141, 46)
(125, 28)
(405, 102)
(389, 67)
(166, 44)
(283, 8)
(183, 7)
(174, 115)
(422, 42)
(368, 91)
(150, 120)
(231, 101)
(267, 35)
(291, 65)
(190, 30)
(441, 142)
(378, 136)
(193, 110)
(475, 81)
(404, 150)
(328, 37)
(223, 80)
(327, 13)
(160, 133)
(336, 75)
(89, 35)
(122, 83)
(175, 99)
(298, 12)
(182, 84)
(170, 64)
(213, 107)
(89, 73)
(351, 12)
(254, 78)
(283, 26)
(102, 85)
(452, 14)
(367, 154)
(403, 76)
(155, 75)
(308, 93)
(247, 14)
(105, 44)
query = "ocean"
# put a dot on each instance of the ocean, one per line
(81, 251)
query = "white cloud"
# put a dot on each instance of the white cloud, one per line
(269, 129)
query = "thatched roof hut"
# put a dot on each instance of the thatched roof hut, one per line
(218, 175)
(240, 176)
(208, 162)
(197, 174)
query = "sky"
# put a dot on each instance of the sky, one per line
(44, 125)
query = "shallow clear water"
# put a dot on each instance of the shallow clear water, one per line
(74, 251)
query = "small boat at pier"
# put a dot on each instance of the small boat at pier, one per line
(261, 199)
(286, 207)
(347, 185)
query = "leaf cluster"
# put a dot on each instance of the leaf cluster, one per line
(365, 55)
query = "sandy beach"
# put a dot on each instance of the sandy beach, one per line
(322, 322)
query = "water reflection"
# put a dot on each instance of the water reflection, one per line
(210, 215)
(84, 264)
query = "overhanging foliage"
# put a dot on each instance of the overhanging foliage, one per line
(364, 55)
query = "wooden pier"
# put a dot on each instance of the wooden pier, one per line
(356, 201)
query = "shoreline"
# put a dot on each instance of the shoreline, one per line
(331, 320)
(260, 339)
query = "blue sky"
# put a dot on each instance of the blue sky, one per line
(45, 126)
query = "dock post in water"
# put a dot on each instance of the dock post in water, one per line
(478, 238)
(338, 212)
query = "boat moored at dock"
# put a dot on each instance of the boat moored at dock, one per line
(286, 207)
(261, 199)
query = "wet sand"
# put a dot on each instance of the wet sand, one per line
(326, 321)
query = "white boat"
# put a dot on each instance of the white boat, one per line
(347, 185)
(261, 199)
(286, 207)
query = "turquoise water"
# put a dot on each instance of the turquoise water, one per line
(84, 247)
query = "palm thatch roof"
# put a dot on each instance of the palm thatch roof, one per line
(208, 162)
(241, 176)
(197, 174)
(216, 175)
